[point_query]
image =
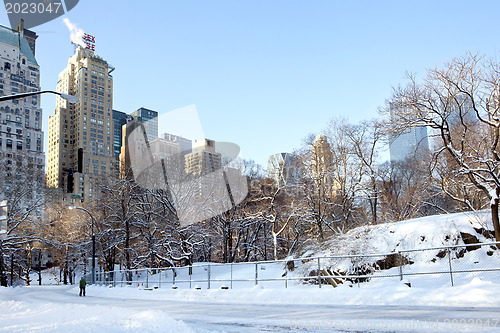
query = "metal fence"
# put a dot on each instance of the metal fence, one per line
(439, 266)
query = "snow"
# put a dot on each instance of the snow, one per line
(49, 316)
(151, 305)
(381, 292)
(59, 309)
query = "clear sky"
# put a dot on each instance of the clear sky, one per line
(265, 73)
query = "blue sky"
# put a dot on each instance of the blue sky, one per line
(265, 73)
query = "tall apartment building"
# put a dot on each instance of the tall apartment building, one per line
(203, 159)
(81, 142)
(21, 137)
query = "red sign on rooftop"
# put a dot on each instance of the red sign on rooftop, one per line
(89, 41)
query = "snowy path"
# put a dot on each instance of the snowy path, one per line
(59, 309)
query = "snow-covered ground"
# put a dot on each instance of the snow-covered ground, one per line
(431, 304)
(131, 309)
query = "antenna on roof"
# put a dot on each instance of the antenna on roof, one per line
(20, 27)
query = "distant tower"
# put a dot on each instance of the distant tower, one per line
(119, 119)
(150, 120)
(282, 168)
(321, 155)
(414, 141)
(322, 165)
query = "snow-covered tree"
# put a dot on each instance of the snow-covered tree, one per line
(460, 102)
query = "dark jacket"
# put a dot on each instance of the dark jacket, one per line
(83, 283)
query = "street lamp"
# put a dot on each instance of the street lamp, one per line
(93, 241)
(70, 98)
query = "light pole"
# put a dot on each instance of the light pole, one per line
(93, 240)
(70, 98)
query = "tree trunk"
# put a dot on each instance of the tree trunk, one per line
(225, 241)
(229, 241)
(127, 250)
(494, 216)
(275, 244)
(373, 201)
(40, 268)
(3, 276)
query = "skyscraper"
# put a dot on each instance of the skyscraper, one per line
(119, 119)
(81, 145)
(150, 120)
(283, 169)
(412, 142)
(21, 146)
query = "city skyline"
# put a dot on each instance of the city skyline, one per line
(282, 69)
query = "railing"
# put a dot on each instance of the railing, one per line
(441, 266)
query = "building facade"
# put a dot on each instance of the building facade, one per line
(283, 169)
(81, 140)
(21, 137)
(203, 159)
(119, 119)
(150, 120)
(412, 142)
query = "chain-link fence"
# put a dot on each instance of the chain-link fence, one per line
(437, 266)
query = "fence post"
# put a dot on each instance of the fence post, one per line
(319, 272)
(449, 261)
(286, 274)
(357, 271)
(256, 273)
(159, 279)
(231, 275)
(147, 278)
(208, 273)
(400, 262)
(190, 273)
(173, 276)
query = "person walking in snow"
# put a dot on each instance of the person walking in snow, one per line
(83, 283)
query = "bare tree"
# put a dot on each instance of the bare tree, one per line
(461, 103)
(366, 139)
(21, 185)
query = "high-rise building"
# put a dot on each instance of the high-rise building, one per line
(322, 166)
(185, 145)
(119, 119)
(283, 169)
(150, 120)
(413, 141)
(81, 143)
(21, 137)
(203, 159)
